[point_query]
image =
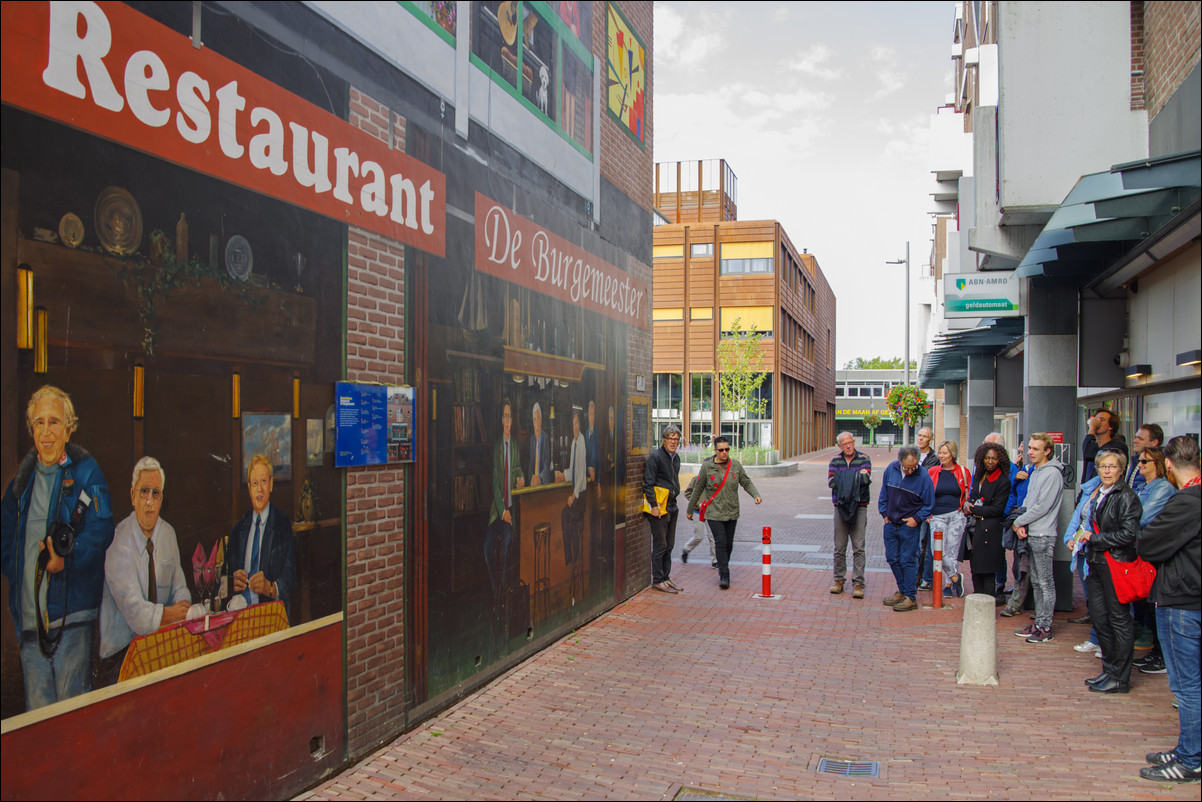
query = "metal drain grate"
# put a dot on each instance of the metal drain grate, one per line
(850, 768)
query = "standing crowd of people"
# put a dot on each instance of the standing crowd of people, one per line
(1145, 506)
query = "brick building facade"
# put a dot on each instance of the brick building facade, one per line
(455, 551)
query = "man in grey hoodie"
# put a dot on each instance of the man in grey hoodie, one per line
(1037, 526)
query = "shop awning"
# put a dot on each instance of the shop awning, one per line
(1107, 216)
(947, 361)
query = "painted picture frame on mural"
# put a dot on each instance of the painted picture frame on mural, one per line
(625, 74)
(269, 434)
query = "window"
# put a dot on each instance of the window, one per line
(666, 401)
(701, 249)
(667, 251)
(537, 53)
(741, 258)
(701, 408)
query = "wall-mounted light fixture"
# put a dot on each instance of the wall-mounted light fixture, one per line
(236, 394)
(1135, 371)
(296, 396)
(41, 347)
(139, 390)
(1193, 357)
(24, 307)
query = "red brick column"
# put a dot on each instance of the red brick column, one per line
(375, 589)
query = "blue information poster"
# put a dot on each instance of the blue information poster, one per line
(373, 424)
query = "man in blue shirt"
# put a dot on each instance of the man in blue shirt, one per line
(906, 500)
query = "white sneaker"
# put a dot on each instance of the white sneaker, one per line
(1087, 646)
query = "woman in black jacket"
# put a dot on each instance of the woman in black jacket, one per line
(1111, 524)
(986, 507)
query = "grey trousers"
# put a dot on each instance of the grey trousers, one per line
(1042, 581)
(855, 532)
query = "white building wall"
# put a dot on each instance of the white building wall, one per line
(1064, 102)
(1165, 318)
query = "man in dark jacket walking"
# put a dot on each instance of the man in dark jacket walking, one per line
(662, 470)
(1173, 543)
(849, 476)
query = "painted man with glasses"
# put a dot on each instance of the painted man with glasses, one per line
(144, 583)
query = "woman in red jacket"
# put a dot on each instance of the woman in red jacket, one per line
(951, 491)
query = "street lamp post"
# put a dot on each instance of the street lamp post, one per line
(906, 355)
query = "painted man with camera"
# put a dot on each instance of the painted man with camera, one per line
(57, 524)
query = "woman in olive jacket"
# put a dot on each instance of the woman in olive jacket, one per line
(1111, 525)
(986, 507)
(718, 483)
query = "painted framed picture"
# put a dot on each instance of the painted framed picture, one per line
(269, 434)
(314, 442)
(640, 425)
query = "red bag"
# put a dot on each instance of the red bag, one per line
(711, 498)
(1132, 581)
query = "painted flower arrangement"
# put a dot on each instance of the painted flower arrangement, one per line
(907, 405)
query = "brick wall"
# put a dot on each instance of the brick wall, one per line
(623, 161)
(1171, 48)
(375, 590)
(1137, 54)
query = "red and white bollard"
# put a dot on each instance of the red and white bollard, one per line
(937, 565)
(767, 571)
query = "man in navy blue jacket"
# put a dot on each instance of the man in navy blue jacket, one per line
(906, 500)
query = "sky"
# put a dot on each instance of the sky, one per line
(822, 110)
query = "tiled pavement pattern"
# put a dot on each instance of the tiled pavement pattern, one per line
(715, 694)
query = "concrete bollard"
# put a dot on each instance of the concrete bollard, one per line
(978, 642)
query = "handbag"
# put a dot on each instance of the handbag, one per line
(1133, 580)
(711, 498)
(661, 500)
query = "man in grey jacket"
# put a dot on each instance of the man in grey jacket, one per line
(1037, 526)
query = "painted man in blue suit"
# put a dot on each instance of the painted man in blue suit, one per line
(262, 552)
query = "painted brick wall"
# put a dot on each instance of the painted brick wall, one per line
(1171, 49)
(623, 162)
(637, 534)
(375, 592)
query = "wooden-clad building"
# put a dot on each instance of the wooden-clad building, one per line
(712, 270)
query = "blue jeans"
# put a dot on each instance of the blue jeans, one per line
(1179, 638)
(67, 674)
(901, 551)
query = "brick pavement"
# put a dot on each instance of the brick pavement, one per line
(715, 692)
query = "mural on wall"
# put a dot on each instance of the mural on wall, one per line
(182, 331)
(626, 73)
(527, 352)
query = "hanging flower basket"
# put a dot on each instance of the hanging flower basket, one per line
(907, 405)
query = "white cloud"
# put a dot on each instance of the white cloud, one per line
(812, 64)
(678, 47)
(889, 75)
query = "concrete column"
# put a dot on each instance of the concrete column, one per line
(951, 413)
(1050, 396)
(980, 398)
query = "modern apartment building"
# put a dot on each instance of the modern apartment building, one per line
(711, 271)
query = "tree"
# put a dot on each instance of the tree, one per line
(871, 421)
(741, 373)
(879, 363)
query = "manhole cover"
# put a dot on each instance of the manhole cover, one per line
(849, 768)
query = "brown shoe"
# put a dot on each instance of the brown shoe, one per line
(905, 605)
(894, 599)
(674, 586)
(837, 588)
(857, 592)
(664, 587)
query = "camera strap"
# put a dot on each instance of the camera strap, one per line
(48, 641)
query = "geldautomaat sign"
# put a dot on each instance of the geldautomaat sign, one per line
(981, 295)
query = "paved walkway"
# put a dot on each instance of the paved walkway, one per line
(715, 694)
